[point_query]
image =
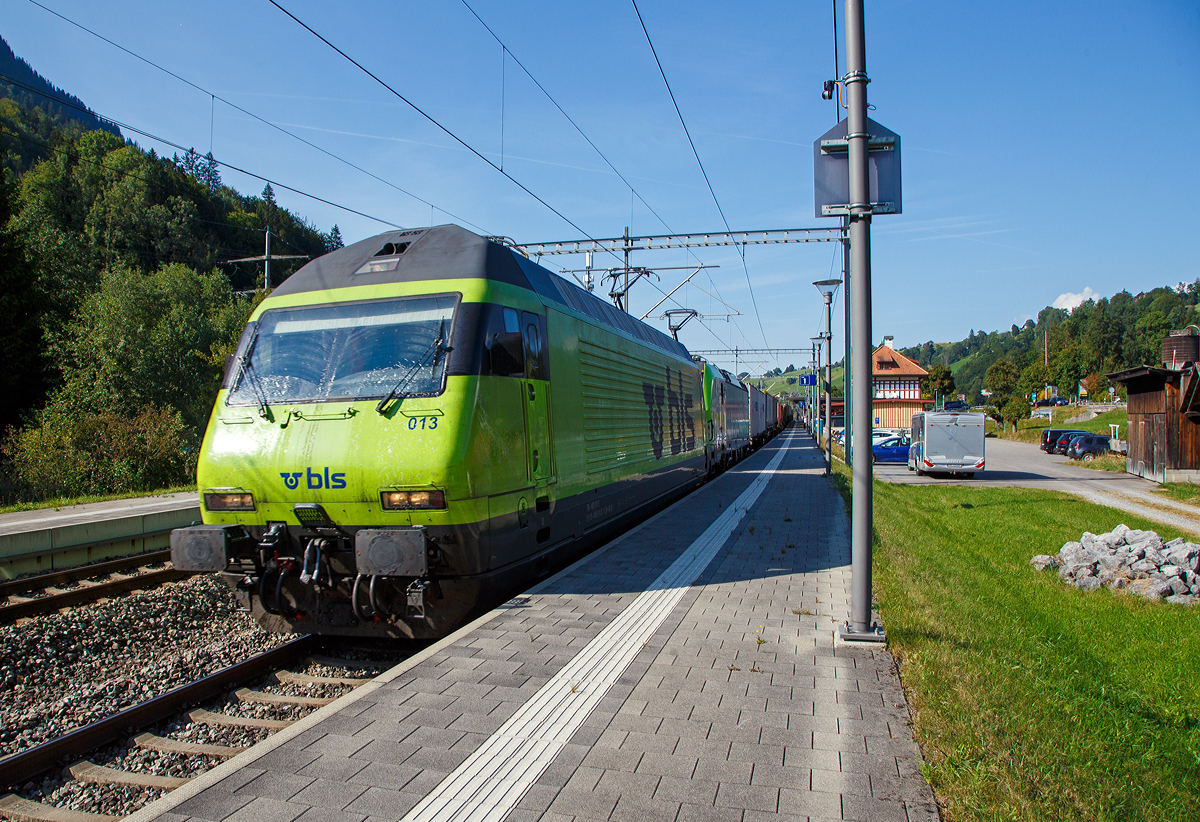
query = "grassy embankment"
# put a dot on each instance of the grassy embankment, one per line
(1031, 430)
(1033, 700)
(779, 385)
(64, 502)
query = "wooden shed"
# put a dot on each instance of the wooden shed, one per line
(1164, 422)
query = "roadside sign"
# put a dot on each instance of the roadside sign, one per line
(831, 170)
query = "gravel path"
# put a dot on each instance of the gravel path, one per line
(63, 670)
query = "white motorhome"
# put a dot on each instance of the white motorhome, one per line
(947, 441)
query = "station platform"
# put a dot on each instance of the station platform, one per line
(47, 539)
(688, 671)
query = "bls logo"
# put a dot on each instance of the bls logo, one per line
(680, 428)
(315, 479)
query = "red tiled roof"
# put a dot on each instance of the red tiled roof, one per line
(888, 362)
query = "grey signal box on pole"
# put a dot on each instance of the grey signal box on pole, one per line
(831, 174)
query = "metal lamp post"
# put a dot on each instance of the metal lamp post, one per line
(815, 413)
(828, 288)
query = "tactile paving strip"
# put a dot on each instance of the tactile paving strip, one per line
(493, 779)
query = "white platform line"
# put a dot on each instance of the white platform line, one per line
(492, 780)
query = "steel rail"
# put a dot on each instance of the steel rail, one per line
(86, 593)
(19, 768)
(51, 578)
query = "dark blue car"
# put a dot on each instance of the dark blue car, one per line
(891, 449)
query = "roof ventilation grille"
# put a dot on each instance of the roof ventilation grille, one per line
(385, 259)
(390, 249)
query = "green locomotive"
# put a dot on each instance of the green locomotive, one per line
(417, 425)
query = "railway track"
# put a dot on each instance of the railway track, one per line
(70, 750)
(96, 581)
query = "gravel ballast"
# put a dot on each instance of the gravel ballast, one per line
(64, 670)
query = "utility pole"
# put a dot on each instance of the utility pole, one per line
(861, 626)
(625, 293)
(266, 258)
(847, 404)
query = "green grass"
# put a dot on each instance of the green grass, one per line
(779, 385)
(1033, 700)
(1030, 430)
(1180, 491)
(64, 502)
(1105, 462)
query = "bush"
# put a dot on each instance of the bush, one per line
(75, 453)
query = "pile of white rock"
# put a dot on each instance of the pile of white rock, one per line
(1130, 560)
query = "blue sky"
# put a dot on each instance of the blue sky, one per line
(1047, 147)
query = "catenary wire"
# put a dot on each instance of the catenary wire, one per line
(509, 52)
(428, 117)
(164, 141)
(254, 116)
(721, 211)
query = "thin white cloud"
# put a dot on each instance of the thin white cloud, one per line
(1071, 301)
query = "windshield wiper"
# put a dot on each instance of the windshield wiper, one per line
(246, 370)
(436, 348)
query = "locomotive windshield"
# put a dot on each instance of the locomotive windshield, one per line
(345, 351)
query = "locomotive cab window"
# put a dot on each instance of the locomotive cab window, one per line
(345, 351)
(533, 347)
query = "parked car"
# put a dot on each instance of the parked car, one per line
(1061, 401)
(956, 405)
(1050, 437)
(1087, 447)
(1064, 441)
(1046, 403)
(891, 449)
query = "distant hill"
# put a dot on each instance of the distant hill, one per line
(13, 67)
(1064, 348)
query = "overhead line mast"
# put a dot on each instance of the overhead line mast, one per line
(708, 239)
(626, 244)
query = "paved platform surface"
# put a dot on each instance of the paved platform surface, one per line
(687, 671)
(42, 519)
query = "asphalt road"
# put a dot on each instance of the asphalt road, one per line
(1024, 465)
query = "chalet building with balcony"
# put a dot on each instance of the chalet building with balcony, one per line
(897, 387)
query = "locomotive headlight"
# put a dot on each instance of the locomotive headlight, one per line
(226, 501)
(409, 500)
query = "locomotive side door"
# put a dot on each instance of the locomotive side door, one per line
(535, 389)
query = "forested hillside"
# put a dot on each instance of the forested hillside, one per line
(1062, 348)
(118, 306)
(13, 68)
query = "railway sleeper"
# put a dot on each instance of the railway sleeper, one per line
(289, 677)
(87, 771)
(341, 664)
(204, 717)
(24, 810)
(264, 698)
(163, 744)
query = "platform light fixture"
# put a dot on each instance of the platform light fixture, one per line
(828, 288)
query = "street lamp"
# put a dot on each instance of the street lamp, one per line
(827, 289)
(814, 411)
